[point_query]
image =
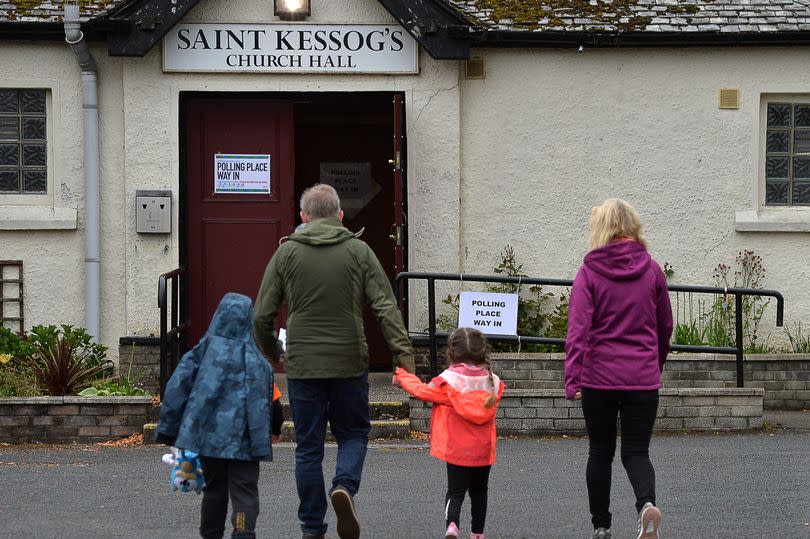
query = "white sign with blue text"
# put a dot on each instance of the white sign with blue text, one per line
(488, 312)
(245, 174)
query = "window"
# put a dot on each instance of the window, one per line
(787, 154)
(23, 142)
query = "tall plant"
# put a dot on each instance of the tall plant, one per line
(65, 359)
(749, 273)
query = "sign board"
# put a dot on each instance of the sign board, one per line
(290, 48)
(242, 173)
(353, 183)
(491, 313)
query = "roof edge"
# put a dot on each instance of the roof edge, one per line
(534, 39)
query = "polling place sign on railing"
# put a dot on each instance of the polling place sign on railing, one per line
(481, 309)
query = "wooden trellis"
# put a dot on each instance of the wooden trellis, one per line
(11, 293)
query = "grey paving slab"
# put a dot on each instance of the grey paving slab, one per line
(718, 485)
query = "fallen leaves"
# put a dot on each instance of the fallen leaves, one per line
(135, 439)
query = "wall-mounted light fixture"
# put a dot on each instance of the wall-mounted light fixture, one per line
(292, 10)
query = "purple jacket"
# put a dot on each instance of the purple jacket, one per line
(619, 321)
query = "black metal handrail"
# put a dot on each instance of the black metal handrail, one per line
(171, 339)
(738, 293)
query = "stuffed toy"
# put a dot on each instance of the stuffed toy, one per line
(187, 474)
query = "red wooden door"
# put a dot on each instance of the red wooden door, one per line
(231, 236)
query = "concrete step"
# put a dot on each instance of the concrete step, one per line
(380, 429)
(380, 388)
(378, 410)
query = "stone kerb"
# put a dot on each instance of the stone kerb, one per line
(72, 419)
(530, 412)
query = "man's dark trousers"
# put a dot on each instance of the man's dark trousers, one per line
(344, 403)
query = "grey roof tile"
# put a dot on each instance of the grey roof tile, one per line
(51, 11)
(641, 15)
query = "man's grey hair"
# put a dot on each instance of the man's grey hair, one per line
(320, 201)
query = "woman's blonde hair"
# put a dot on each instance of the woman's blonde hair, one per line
(614, 219)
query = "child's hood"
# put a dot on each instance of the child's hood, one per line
(233, 318)
(465, 378)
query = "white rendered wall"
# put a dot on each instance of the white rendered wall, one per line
(53, 260)
(517, 158)
(550, 133)
(151, 127)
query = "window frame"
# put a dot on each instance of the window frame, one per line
(46, 198)
(791, 154)
(756, 216)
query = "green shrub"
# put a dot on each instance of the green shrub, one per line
(13, 344)
(749, 273)
(120, 386)
(65, 360)
(799, 343)
(44, 337)
(687, 333)
(15, 382)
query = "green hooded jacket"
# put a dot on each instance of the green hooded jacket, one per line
(326, 276)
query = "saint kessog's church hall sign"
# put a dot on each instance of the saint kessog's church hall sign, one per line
(290, 48)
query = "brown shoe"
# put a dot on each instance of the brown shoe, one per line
(348, 525)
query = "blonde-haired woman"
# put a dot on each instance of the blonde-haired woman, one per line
(619, 325)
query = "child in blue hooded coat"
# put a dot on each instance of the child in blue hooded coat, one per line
(218, 403)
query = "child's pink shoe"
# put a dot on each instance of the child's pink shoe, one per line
(452, 532)
(476, 536)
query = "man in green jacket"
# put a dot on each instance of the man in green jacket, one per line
(326, 276)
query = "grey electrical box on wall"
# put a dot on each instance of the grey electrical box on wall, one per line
(153, 212)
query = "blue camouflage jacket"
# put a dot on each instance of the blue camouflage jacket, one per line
(218, 402)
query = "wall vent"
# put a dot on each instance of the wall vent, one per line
(729, 98)
(474, 68)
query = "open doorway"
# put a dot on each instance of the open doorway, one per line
(347, 140)
(354, 141)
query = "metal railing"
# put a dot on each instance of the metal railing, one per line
(434, 336)
(171, 338)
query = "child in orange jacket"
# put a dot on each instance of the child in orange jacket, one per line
(278, 415)
(462, 425)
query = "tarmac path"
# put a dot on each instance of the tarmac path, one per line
(753, 485)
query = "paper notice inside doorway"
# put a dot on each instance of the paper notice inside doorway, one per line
(353, 183)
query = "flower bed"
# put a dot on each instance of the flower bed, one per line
(72, 419)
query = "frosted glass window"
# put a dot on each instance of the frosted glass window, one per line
(787, 154)
(23, 142)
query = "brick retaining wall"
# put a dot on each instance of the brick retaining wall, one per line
(145, 361)
(546, 411)
(72, 419)
(784, 377)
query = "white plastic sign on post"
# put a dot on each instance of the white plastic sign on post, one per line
(248, 174)
(490, 313)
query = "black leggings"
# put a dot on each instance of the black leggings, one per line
(636, 411)
(463, 479)
(240, 480)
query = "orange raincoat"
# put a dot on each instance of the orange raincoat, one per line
(462, 427)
